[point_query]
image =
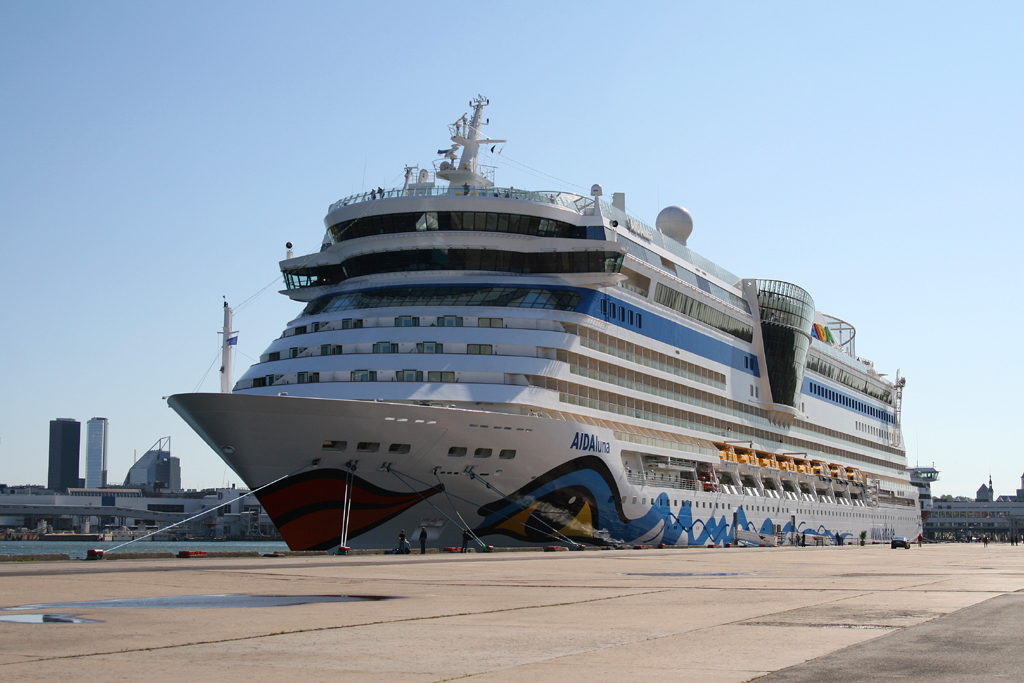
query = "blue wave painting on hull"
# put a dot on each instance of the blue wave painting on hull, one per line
(580, 500)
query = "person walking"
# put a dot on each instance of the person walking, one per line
(803, 540)
(423, 540)
(465, 539)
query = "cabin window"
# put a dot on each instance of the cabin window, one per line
(409, 375)
(437, 376)
(363, 376)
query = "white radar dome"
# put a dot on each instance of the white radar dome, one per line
(675, 222)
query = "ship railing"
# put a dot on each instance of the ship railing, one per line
(569, 200)
(639, 479)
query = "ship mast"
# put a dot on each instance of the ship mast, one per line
(901, 382)
(229, 340)
(467, 135)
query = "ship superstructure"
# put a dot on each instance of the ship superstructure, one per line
(542, 367)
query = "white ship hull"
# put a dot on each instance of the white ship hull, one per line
(560, 487)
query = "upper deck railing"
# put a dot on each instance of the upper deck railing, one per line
(578, 203)
(568, 200)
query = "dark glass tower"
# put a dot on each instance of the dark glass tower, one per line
(787, 313)
(65, 446)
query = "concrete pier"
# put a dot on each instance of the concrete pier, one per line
(937, 613)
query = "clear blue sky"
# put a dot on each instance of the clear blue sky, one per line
(156, 157)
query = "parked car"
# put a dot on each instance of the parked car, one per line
(900, 542)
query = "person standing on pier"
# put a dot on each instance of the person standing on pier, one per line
(423, 540)
(403, 543)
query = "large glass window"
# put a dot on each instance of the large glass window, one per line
(389, 224)
(418, 260)
(363, 376)
(851, 380)
(510, 297)
(787, 312)
(430, 347)
(688, 306)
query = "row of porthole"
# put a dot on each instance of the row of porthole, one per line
(366, 447)
(461, 451)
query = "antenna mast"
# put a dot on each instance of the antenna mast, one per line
(897, 432)
(466, 134)
(229, 340)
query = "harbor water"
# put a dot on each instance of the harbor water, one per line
(78, 549)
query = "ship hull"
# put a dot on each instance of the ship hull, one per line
(512, 479)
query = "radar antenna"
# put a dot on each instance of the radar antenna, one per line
(465, 133)
(897, 432)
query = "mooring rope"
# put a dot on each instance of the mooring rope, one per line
(554, 532)
(428, 502)
(205, 512)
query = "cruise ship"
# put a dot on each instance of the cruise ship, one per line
(544, 368)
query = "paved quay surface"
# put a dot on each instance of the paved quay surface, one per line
(938, 613)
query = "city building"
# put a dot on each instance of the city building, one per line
(157, 469)
(97, 432)
(131, 512)
(65, 450)
(997, 517)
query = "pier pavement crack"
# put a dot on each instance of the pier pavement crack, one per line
(332, 628)
(651, 639)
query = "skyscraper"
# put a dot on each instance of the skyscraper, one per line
(65, 450)
(96, 434)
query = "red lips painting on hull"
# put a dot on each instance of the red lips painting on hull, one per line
(307, 508)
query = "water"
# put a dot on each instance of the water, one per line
(203, 602)
(46, 619)
(77, 549)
